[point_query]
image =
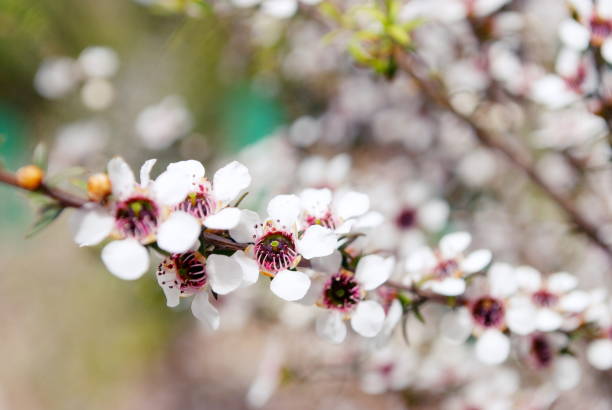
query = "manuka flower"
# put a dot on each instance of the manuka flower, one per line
(278, 247)
(484, 317)
(192, 274)
(340, 212)
(544, 304)
(137, 215)
(444, 270)
(210, 202)
(343, 295)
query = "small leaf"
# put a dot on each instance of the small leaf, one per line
(399, 34)
(39, 156)
(47, 214)
(416, 308)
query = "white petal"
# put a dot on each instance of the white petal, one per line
(225, 273)
(422, 259)
(456, 326)
(599, 354)
(566, 372)
(369, 220)
(204, 311)
(227, 218)
(368, 318)
(145, 172)
(394, 315)
(492, 347)
(290, 285)
(528, 278)
(548, 320)
(171, 187)
(502, 280)
(178, 233)
(574, 34)
(316, 201)
(520, 318)
(91, 226)
(327, 264)
(279, 8)
(448, 286)
(127, 259)
(374, 270)
(317, 241)
(604, 9)
(169, 284)
(121, 177)
(331, 327)
(433, 215)
(606, 50)
(476, 261)
(230, 180)
(575, 302)
(245, 231)
(284, 209)
(191, 167)
(455, 243)
(250, 269)
(561, 282)
(352, 204)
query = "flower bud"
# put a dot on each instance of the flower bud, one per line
(98, 186)
(30, 177)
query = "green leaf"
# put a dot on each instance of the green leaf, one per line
(399, 34)
(47, 214)
(40, 156)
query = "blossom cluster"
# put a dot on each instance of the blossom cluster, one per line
(312, 247)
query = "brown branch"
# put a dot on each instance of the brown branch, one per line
(223, 242)
(63, 198)
(407, 63)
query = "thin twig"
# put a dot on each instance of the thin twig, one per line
(490, 140)
(65, 199)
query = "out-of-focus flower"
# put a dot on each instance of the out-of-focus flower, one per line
(159, 126)
(76, 143)
(389, 369)
(268, 375)
(568, 128)
(190, 273)
(484, 317)
(99, 62)
(444, 270)
(542, 304)
(139, 214)
(318, 172)
(56, 77)
(594, 27)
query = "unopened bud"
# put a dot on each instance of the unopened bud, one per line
(98, 186)
(30, 177)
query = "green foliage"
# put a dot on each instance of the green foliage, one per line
(47, 214)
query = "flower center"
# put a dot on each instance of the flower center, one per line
(544, 298)
(600, 30)
(341, 292)
(136, 217)
(445, 268)
(275, 251)
(406, 218)
(488, 312)
(327, 221)
(190, 270)
(541, 351)
(198, 204)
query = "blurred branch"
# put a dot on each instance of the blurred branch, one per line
(432, 89)
(65, 199)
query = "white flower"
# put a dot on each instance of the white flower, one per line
(277, 247)
(56, 77)
(599, 354)
(138, 214)
(343, 296)
(594, 27)
(340, 212)
(444, 270)
(562, 370)
(389, 369)
(542, 304)
(190, 273)
(210, 202)
(484, 317)
(160, 125)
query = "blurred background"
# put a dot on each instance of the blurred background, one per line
(183, 79)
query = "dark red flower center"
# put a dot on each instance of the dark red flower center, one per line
(136, 217)
(488, 312)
